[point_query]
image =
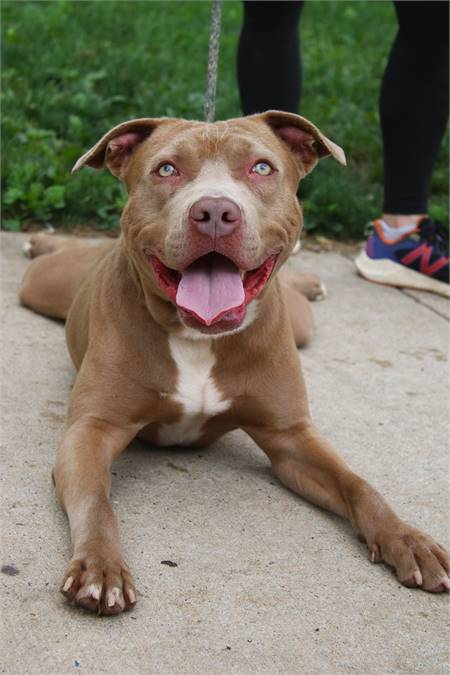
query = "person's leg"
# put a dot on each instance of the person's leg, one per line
(269, 67)
(407, 248)
(414, 105)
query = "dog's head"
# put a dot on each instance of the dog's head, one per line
(212, 210)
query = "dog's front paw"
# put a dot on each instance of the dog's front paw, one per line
(99, 584)
(418, 560)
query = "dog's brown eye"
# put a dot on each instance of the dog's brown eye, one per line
(167, 170)
(262, 169)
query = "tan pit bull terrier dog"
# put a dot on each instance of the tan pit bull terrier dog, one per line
(183, 329)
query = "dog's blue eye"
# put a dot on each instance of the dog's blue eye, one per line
(262, 169)
(167, 170)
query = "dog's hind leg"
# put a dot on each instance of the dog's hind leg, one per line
(309, 285)
(46, 242)
(298, 290)
(53, 278)
(300, 316)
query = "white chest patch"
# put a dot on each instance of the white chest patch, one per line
(196, 391)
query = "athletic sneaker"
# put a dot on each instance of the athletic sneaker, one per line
(417, 258)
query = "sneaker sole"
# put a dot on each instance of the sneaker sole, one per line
(386, 271)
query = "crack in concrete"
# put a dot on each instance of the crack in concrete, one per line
(424, 304)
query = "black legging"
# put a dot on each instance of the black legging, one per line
(414, 98)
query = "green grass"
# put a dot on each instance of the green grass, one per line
(74, 69)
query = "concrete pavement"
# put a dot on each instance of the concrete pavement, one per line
(264, 582)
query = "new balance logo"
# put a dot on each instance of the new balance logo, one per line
(423, 253)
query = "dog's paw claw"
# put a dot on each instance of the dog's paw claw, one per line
(297, 247)
(99, 585)
(114, 601)
(419, 561)
(375, 555)
(414, 580)
(323, 292)
(442, 587)
(27, 249)
(66, 587)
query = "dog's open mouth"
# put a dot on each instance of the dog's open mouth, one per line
(213, 291)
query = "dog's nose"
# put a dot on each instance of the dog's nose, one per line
(215, 216)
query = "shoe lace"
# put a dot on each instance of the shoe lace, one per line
(435, 234)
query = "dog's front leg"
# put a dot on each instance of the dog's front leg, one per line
(97, 577)
(307, 464)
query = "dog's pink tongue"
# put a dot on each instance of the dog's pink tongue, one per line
(210, 287)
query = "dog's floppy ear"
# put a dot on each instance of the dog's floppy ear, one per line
(304, 139)
(115, 148)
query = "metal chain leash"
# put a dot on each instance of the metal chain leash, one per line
(213, 61)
